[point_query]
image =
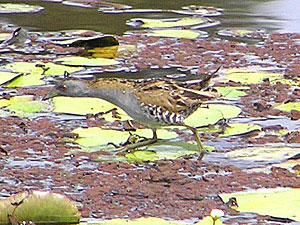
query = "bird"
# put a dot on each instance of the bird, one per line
(153, 102)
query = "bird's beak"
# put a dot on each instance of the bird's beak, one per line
(51, 94)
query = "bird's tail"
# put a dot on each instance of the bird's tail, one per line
(203, 83)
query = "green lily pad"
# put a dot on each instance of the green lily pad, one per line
(164, 23)
(231, 92)
(189, 34)
(95, 136)
(24, 108)
(8, 8)
(288, 107)
(33, 72)
(22, 98)
(246, 76)
(39, 207)
(86, 105)
(82, 61)
(277, 202)
(212, 114)
(7, 76)
(232, 129)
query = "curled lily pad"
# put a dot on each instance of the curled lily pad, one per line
(277, 202)
(164, 23)
(9, 8)
(7, 76)
(39, 207)
(82, 61)
(89, 42)
(189, 34)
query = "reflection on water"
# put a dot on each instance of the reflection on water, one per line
(241, 14)
(284, 14)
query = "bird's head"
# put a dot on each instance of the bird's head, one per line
(72, 88)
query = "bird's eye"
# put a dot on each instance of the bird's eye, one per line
(63, 87)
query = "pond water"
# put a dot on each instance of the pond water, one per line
(279, 15)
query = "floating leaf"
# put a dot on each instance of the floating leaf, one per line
(245, 76)
(200, 10)
(8, 8)
(277, 202)
(23, 108)
(164, 23)
(212, 114)
(22, 98)
(82, 61)
(7, 76)
(33, 72)
(231, 92)
(39, 207)
(95, 136)
(189, 34)
(288, 107)
(239, 129)
(104, 52)
(89, 42)
(86, 105)
(263, 154)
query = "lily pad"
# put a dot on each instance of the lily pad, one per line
(7, 76)
(231, 92)
(288, 107)
(33, 72)
(212, 114)
(189, 34)
(95, 136)
(164, 23)
(245, 76)
(82, 61)
(8, 8)
(86, 105)
(22, 98)
(24, 108)
(39, 207)
(277, 202)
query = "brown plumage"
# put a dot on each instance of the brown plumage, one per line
(152, 102)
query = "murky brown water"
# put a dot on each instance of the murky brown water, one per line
(242, 14)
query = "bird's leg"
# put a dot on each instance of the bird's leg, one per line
(139, 144)
(200, 146)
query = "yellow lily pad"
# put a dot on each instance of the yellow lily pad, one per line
(33, 72)
(7, 76)
(246, 76)
(231, 92)
(277, 202)
(96, 136)
(22, 105)
(86, 105)
(288, 106)
(22, 98)
(82, 61)
(164, 23)
(212, 114)
(189, 34)
(263, 154)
